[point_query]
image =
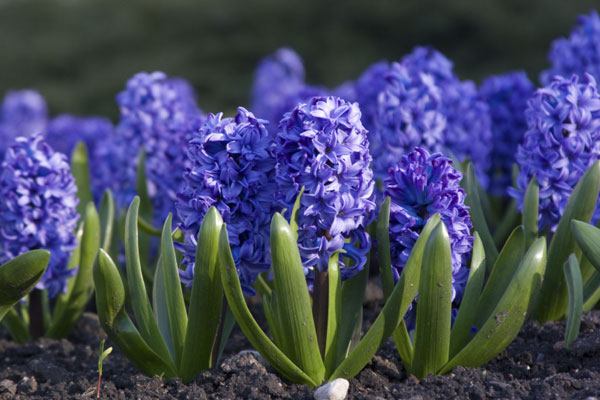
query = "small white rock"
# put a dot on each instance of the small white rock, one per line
(334, 390)
(256, 355)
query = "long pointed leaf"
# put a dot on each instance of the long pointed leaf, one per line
(294, 214)
(434, 307)
(588, 238)
(508, 316)
(83, 288)
(383, 248)
(575, 309)
(293, 301)
(393, 311)
(531, 204)
(81, 172)
(19, 276)
(255, 335)
(107, 220)
(552, 301)
(353, 294)
(206, 299)
(334, 313)
(160, 308)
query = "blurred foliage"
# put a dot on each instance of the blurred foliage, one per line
(79, 53)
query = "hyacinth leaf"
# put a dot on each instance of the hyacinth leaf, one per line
(465, 320)
(15, 326)
(83, 287)
(510, 220)
(228, 324)
(508, 316)
(19, 276)
(591, 291)
(501, 276)
(147, 227)
(383, 248)
(159, 306)
(551, 304)
(477, 215)
(575, 290)
(531, 204)
(334, 313)
(404, 344)
(205, 301)
(293, 301)
(272, 316)
(61, 299)
(353, 293)
(255, 335)
(432, 329)
(146, 211)
(393, 311)
(588, 238)
(178, 319)
(80, 169)
(294, 214)
(110, 302)
(137, 289)
(107, 219)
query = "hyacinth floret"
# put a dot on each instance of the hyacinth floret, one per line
(419, 186)
(38, 208)
(323, 147)
(23, 113)
(64, 131)
(577, 54)
(158, 115)
(506, 96)
(232, 167)
(409, 115)
(561, 143)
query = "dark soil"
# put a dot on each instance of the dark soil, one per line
(535, 366)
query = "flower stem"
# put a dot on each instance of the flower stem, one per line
(320, 304)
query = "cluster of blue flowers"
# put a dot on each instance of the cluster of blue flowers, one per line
(323, 147)
(232, 167)
(562, 142)
(38, 208)
(578, 54)
(419, 186)
(158, 115)
(23, 113)
(506, 96)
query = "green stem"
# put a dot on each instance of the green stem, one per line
(320, 304)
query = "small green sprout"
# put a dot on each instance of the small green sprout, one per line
(102, 355)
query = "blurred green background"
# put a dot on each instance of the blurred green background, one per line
(79, 53)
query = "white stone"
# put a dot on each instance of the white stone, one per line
(334, 390)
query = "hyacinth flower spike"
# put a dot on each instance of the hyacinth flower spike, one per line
(491, 312)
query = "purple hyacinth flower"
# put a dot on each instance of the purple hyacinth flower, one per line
(232, 167)
(577, 54)
(323, 147)
(23, 113)
(562, 142)
(506, 96)
(158, 114)
(38, 208)
(419, 186)
(64, 131)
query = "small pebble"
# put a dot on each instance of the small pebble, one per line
(8, 386)
(334, 390)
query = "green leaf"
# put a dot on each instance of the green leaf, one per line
(334, 313)
(472, 200)
(575, 309)
(16, 326)
(19, 276)
(255, 335)
(531, 204)
(294, 215)
(205, 301)
(175, 303)
(83, 288)
(110, 299)
(383, 248)
(293, 301)
(160, 308)
(81, 172)
(137, 289)
(552, 301)
(502, 274)
(102, 355)
(588, 238)
(146, 212)
(465, 320)
(107, 219)
(434, 307)
(511, 218)
(508, 316)
(591, 291)
(393, 311)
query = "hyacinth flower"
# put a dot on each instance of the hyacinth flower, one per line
(232, 168)
(158, 114)
(326, 187)
(423, 244)
(507, 96)
(22, 113)
(558, 179)
(279, 84)
(38, 211)
(578, 53)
